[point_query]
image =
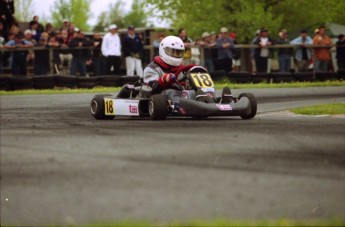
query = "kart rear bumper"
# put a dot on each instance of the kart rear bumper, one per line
(195, 108)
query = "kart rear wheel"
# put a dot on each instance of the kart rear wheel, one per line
(97, 107)
(158, 108)
(253, 106)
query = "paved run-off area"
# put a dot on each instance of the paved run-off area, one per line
(59, 165)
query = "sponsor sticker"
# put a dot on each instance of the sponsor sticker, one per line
(224, 107)
(133, 109)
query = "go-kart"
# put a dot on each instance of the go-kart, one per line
(198, 100)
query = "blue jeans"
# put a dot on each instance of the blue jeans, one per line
(209, 64)
(78, 64)
(284, 63)
(320, 66)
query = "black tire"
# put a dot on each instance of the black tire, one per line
(253, 105)
(66, 81)
(44, 82)
(158, 108)
(4, 83)
(97, 107)
(109, 81)
(87, 82)
(21, 83)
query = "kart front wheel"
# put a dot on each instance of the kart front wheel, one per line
(158, 108)
(253, 106)
(97, 107)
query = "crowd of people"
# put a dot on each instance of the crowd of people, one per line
(105, 54)
(220, 52)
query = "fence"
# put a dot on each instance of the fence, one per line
(245, 74)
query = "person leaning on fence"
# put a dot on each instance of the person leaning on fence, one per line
(28, 37)
(303, 54)
(188, 42)
(236, 60)
(225, 46)
(284, 54)
(133, 51)
(81, 57)
(340, 53)
(262, 53)
(111, 50)
(64, 52)
(322, 54)
(19, 63)
(207, 47)
(97, 57)
(41, 60)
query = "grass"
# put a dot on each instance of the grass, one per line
(217, 223)
(325, 109)
(218, 85)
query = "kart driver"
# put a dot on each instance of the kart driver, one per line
(165, 74)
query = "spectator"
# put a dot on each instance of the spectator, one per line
(6, 16)
(28, 37)
(65, 54)
(262, 53)
(340, 52)
(188, 42)
(66, 25)
(252, 51)
(54, 43)
(225, 47)
(156, 44)
(35, 32)
(133, 50)
(97, 57)
(41, 61)
(284, 54)
(40, 28)
(195, 50)
(214, 50)
(303, 53)
(81, 57)
(111, 50)
(49, 28)
(72, 31)
(207, 45)
(322, 54)
(18, 64)
(236, 61)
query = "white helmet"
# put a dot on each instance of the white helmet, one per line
(171, 50)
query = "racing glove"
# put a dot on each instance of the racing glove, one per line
(166, 79)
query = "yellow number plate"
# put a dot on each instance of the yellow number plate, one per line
(202, 80)
(109, 106)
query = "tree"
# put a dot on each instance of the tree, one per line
(115, 15)
(246, 16)
(77, 11)
(23, 10)
(137, 16)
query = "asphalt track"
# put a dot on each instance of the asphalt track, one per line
(61, 166)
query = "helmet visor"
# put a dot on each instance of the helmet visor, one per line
(174, 52)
